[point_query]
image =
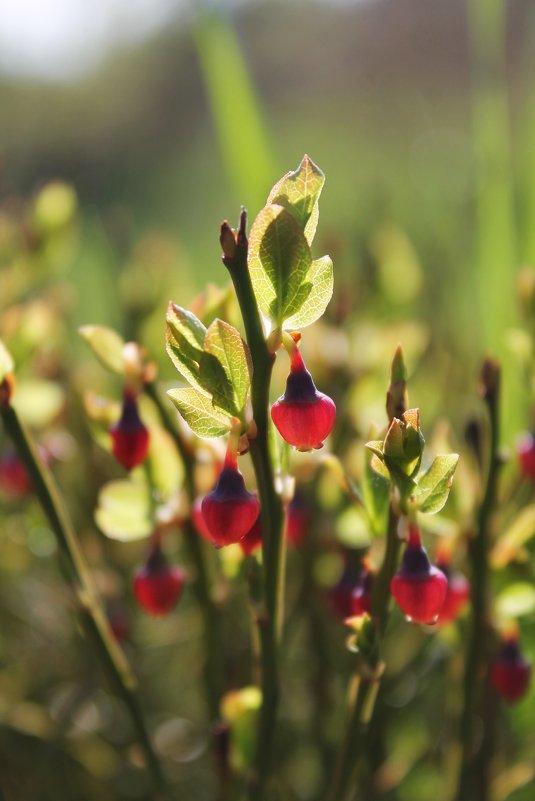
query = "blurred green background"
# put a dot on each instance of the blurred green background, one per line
(128, 132)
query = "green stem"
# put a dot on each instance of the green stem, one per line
(367, 675)
(213, 673)
(272, 515)
(474, 763)
(92, 614)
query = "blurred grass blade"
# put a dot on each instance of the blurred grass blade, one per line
(235, 109)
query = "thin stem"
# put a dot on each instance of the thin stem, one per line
(213, 672)
(272, 515)
(474, 764)
(92, 614)
(367, 675)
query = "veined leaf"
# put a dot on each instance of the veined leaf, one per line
(298, 191)
(225, 367)
(434, 485)
(107, 345)
(184, 342)
(319, 281)
(279, 260)
(199, 412)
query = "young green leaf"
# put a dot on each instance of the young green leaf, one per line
(376, 495)
(199, 412)
(279, 260)
(184, 342)
(107, 345)
(434, 485)
(123, 510)
(299, 191)
(318, 284)
(225, 367)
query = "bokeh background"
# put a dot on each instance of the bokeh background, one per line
(128, 132)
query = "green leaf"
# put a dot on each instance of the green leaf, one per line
(376, 447)
(299, 191)
(106, 344)
(516, 600)
(318, 286)
(39, 402)
(166, 468)
(184, 342)
(434, 485)
(509, 544)
(376, 495)
(123, 510)
(226, 368)
(7, 365)
(199, 412)
(279, 260)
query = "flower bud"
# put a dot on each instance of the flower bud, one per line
(418, 588)
(158, 585)
(229, 511)
(130, 438)
(303, 416)
(510, 672)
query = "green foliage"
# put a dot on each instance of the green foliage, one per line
(434, 485)
(123, 510)
(375, 495)
(225, 367)
(199, 412)
(299, 191)
(107, 345)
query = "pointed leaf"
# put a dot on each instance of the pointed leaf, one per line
(106, 344)
(434, 485)
(376, 447)
(376, 495)
(184, 342)
(225, 367)
(298, 191)
(279, 260)
(319, 289)
(199, 412)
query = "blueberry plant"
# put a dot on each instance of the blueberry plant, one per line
(238, 471)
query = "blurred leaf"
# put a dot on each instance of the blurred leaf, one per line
(279, 260)
(184, 342)
(352, 528)
(516, 600)
(166, 469)
(55, 206)
(376, 495)
(299, 191)
(123, 510)
(7, 364)
(199, 412)
(106, 344)
(509, 543)
(318, 285)
(39, 402)
(434, 485)
(225, 367)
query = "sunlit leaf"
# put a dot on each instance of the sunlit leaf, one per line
(39, 402)
(508, 545)
(225, 367)
(184, 342)
(434, 485)
(516, 600)
(199, 412)
(279, 260)
(319, 290)
(123, 510)
(106, 344)
(298, 191)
